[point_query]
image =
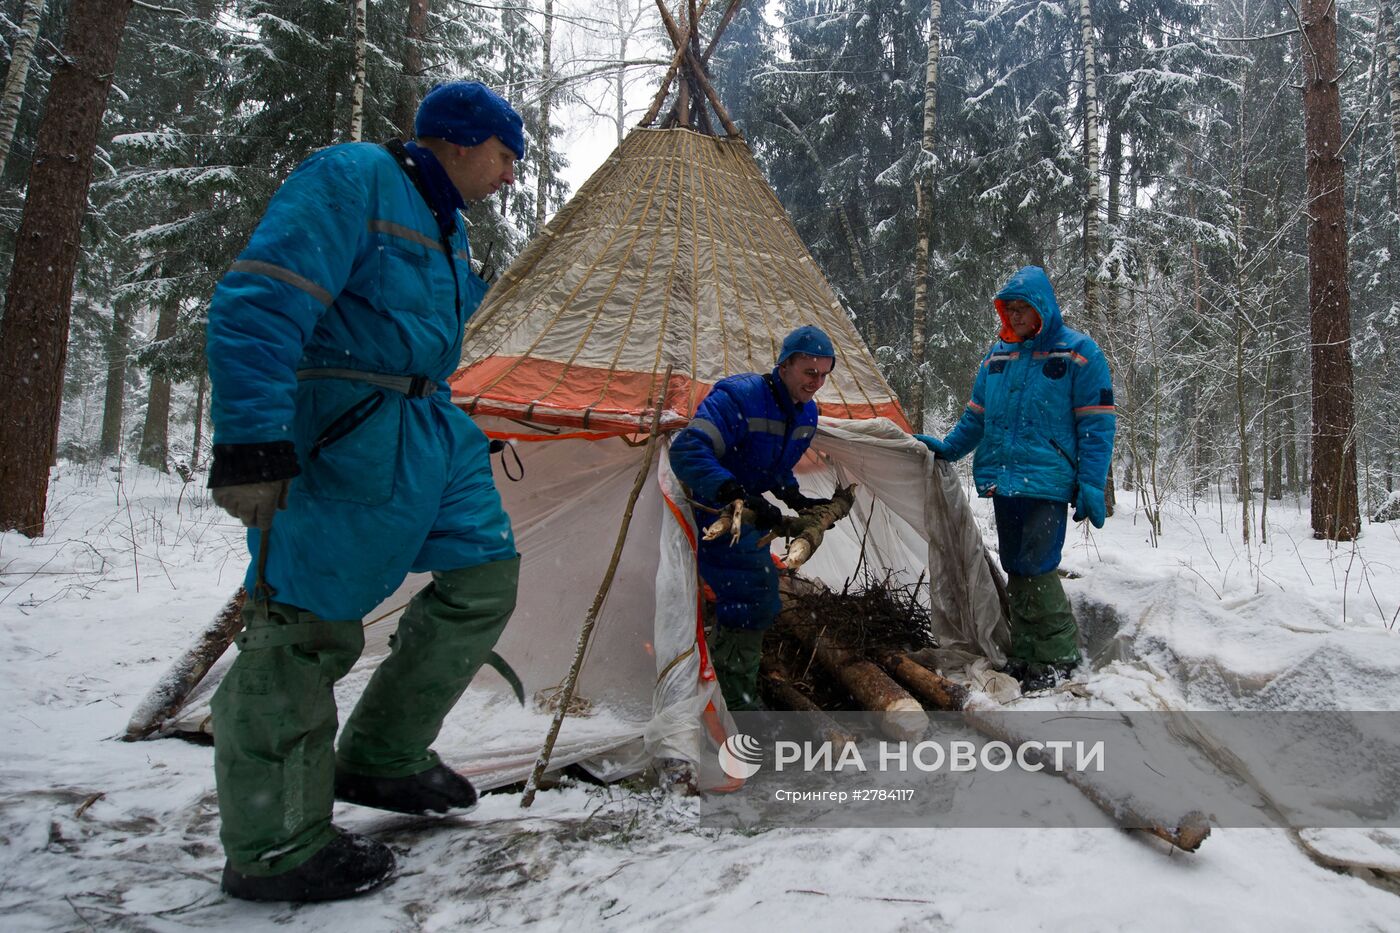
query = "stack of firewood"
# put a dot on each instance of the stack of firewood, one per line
(851, 650)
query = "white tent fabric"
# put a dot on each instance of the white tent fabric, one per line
(645, 690)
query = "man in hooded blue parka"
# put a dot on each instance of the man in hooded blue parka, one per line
(329, 344)
(1041, 420)
(743, 442)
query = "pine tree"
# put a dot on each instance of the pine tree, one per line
(34, 330)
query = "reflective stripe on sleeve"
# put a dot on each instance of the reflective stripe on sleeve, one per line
(284, 275)
(805, 431)
(767, 426)
(405, 233)
(710, 431)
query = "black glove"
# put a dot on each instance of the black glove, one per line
(730, 490)
(792, 497)
(769, 516)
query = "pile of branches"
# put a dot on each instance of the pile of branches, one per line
(873, 617)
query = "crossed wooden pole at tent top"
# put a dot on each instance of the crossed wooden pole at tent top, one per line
(694, 87)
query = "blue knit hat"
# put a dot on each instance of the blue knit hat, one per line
(807, 339)
(468, 113)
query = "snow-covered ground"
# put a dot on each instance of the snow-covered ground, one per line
(99, 833)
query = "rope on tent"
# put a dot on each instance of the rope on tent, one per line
(566, 693)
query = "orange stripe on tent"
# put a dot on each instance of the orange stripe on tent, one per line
(605, 401)
(568, 436)
(707, 671)
(536, 381)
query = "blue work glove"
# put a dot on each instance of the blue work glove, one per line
(1088, 503)
(940, 449)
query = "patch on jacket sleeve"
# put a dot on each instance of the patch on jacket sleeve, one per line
(1105, 396)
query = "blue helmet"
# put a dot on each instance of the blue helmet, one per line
(810, 340)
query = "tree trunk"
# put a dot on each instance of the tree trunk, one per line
(1241, 194)
(923, 199)
(1091, 159)
(118, 346)
(1335, 510)
(827, 189)
(1392, 59)
(357, 94)
(200, 396)
(406, 100)
(542, 143)
(21, 57)
(155, 445)
(38, 300)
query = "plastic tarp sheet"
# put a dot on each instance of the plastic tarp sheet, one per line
(644, 690)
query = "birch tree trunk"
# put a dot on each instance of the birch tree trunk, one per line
(923, 200)
(21, 57)
(1335, 510)
(118, 346)
(38, 299)
(406, 100)
(542, 143)
(1091, 158)
(357, 95)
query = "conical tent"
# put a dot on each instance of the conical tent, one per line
(676, 251)
(674, 257)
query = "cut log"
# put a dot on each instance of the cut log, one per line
(904, 718)
(780, 693)
(169, 694)
(812, 524)
(931, 687)
(936, 690)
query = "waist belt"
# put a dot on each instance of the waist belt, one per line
(412, 386)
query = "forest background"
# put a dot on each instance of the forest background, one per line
(1150, 153)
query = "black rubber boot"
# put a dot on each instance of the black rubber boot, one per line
(1035, 677)
(437, 790)
(347, 866)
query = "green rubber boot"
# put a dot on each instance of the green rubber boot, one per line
(1042, 624)
(445, 635)
(735, 654)
(274, 725)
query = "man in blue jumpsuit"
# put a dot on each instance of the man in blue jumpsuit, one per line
(1041, 421)
(329, 344)
(744, 440)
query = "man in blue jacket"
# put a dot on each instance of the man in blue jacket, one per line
(329, 344)
(1041, 421)
(744, 440)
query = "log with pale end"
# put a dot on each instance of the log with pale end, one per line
(903, 716)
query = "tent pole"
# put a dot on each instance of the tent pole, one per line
(723, 25)
(571, 681)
